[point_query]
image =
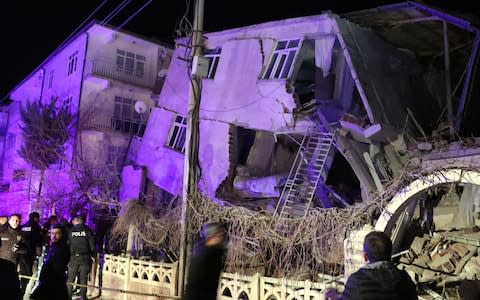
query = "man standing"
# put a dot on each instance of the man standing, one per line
(10, 239)
(206, 266)
(52, 283)
(82, 247)
(379, 279)
(32, 238)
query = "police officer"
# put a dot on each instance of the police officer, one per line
(10, 239)
(82, 248)
(32, 238)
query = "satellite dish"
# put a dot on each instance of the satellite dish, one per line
(140, 107)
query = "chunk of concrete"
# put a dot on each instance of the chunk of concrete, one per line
(423, 260)
(418, 244)
(461, 249)
(439, 260)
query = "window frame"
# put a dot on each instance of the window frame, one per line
(178, 128)
(127, 122)
(213, 56)
(19, 175)
(130, 63)
(72, 63)
(276, 66)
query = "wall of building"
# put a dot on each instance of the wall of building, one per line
(164, 165)
(235, 96)
(66, 76)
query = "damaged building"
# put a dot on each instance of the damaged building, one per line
(314, 111)
(327, 111)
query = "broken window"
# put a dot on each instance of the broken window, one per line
(178, 133)
(213, 57)
(245, 140)
(343, 186)
(282, 59)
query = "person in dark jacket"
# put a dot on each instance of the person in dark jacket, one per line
(379, 279)
(207, 264)
(52, 284)
(9, 283)
(32, 239)
(10, 239)
(82, 247)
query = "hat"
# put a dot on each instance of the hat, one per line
(210, 229)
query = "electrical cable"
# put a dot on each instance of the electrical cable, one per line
(83, 23)
(115, 12)
(133, 15)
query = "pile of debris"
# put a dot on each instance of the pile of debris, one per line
(445, 257)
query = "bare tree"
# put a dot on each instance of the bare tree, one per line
(46, 128)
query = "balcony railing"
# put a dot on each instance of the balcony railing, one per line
(119, 125)
(107, 68)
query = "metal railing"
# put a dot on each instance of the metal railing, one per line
(107, 68)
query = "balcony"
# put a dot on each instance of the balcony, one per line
(125, 126)
(107, 68)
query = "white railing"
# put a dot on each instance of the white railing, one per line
(107, 68)
(138, 276)
(161, 279)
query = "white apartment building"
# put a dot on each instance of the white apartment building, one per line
(109, 80)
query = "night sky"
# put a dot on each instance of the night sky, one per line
(31, 30)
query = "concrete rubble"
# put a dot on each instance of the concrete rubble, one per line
(445, 257)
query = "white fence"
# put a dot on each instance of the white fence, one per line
(138, 276)
(161, 279)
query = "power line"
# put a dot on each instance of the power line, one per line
(83, 23)
(133, 15)
(117, 9)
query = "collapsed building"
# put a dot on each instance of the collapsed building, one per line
(325, 111)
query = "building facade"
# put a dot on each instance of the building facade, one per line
(108, 80)
(271, 88)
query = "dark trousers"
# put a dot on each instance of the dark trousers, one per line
(80, 267)
(25, 263)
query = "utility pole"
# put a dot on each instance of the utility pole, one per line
(448, 82)
(190, 171)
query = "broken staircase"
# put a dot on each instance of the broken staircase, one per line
(306, 171)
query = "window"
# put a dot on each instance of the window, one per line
(130, 63)
(50, 79)
(72, 63)
(125, 118)
(178, 134)
(213, 57)
(19, 175)
(282, 60)
(115, 157)
(67, 103)
(4, 187)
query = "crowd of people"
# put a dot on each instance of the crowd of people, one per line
(44, 262)
(69, 250)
